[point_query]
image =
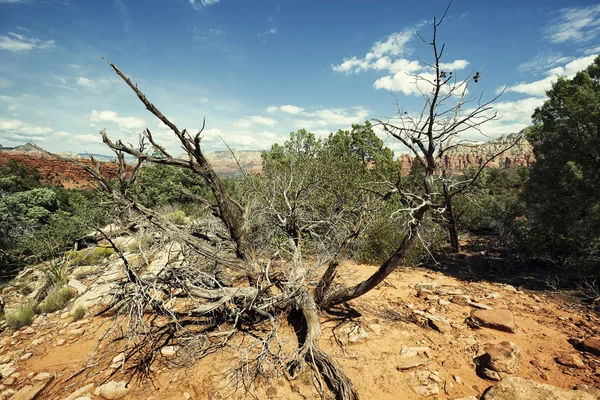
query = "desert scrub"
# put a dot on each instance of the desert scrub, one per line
(56, 272)
(79, 312)
(97, 254)
(56, 299)
(20, 316)
(177, 217)
(74, 257)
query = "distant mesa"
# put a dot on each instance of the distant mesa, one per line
(228, 163)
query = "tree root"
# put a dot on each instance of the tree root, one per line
(322, 364)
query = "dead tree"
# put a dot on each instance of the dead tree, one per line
(258, 293)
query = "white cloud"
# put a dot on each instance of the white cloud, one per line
(539, 87)
(394, 45)
(273, 31)
(456, 65)
(125, 124)
(389, 55)
(543, 61)
(575, 24)
(289, 109)
(253, 120)
(333, 118)
(18, 131)
(202, 3)
(514, 116)
(16, 42)
(12, 1)
(81, 81)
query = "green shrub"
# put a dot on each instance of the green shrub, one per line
(56, 299)
(97, 255)
(177, 217)
(21, 316)
(79, 313)
(74, 257)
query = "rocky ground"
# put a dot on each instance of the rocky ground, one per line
(421, 334)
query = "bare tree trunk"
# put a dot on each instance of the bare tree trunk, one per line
(345, 294)
(451, 223)
(309, 352)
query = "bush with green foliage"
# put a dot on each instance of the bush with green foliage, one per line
(562, 192)
(177, 217)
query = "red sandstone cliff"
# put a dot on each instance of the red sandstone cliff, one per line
(462, 157)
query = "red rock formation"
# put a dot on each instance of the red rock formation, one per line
(464, 157)
(59, 172)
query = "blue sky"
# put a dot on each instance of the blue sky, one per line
(260, 69)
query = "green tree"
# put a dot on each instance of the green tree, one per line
(563, 189)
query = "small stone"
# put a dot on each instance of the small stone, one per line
(118, 359)
(65, 315)
(426, 285)
(426, 390)
(423, 293)
(410, 352)
(480, 306)
(9, 381)
(461, 300)
(29, 331)
(571, 360)
(432, 297)
(435, 378)
(75, 333)
(25, 356)
(457, 379)
(510, 288)
(443, 302)
(37, 342)
(439, 323)
(503, 357)
(416, 362)
(514, 388)
(169, 351)
(60, 342)
(81, 393)
(187, 396)
(113, 390)
(357, 335)
(375, 328)
(43, 377)
(492, 295)
(490, 374)
(448, 387)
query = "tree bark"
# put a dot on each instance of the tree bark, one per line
(452, 228)
(345, 294)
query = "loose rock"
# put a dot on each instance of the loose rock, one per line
(591, 345)
(416, 362)
(112, 390)
(502, 320)
(504, 357)
(571, 360)
(513, 388)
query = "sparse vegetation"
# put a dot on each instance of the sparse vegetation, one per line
(96, 255)
(177, 217)
(21, 316)
(79, 313)
(56, 299)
